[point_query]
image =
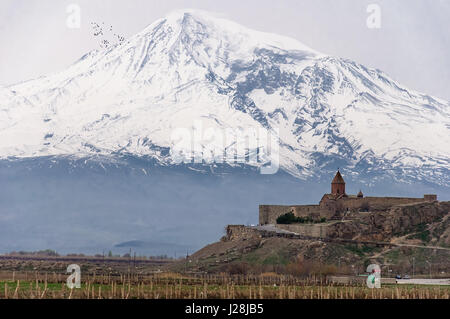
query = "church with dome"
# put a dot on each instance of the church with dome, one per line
(337, 204)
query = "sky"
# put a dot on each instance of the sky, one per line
(411, 42)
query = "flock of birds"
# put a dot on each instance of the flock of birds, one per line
(107, 36)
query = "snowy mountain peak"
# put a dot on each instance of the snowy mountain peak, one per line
(203, 26)
(192, 66)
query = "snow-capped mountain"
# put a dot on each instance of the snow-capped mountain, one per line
(85, 161)
(191, 66)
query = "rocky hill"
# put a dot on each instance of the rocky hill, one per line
(401, 220)
(407, 227)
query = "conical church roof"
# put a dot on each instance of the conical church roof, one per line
(338, 179)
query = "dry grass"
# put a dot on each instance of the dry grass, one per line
(177, 286)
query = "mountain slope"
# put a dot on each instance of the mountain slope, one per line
(191, 66)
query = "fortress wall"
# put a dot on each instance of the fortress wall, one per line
(236, 232)
(387, 202)
(305, 210)
(311, 230)
(327, 213)
(374, 203)
(430, 197)
(268, 214)
(352, 203)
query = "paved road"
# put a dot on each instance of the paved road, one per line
(424, 281)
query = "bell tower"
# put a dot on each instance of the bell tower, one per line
(338, 184)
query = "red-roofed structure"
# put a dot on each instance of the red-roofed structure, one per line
(338, 184)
